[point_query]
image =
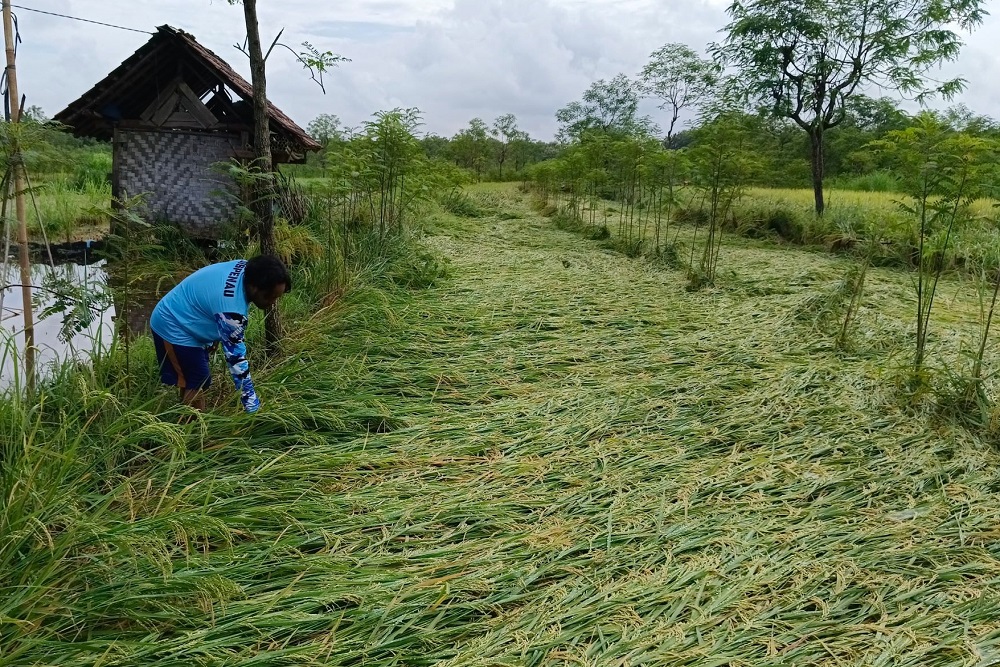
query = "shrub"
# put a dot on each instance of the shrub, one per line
(691, 215)
(876, 181)
(419, 269)
(785, 224)
(460, 204)
(548, 210)
(601, 233)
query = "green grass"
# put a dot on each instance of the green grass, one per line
(68, 212)
(876, 181)
(787, 216)
(556, 456)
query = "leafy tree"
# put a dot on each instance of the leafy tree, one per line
(678, 78)
(522, 149)
(528, 151)
(35, 114)
(877, 116)
(805, 58)
(963, 119)
(325, 128)
(865, 120)
(435, 146)
(471, 146)
(609, 107)
(505, 132)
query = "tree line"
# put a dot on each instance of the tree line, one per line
(795, 74)
(495, 151)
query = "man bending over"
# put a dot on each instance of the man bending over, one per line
(211, 306)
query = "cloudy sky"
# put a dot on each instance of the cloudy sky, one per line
(452, 59)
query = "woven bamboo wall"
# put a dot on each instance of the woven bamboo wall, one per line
(174, 169)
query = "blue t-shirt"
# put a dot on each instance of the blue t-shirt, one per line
(188, 314)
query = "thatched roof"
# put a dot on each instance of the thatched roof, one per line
(128, 95)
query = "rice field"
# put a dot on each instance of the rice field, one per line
(558, 456)
(882, 202)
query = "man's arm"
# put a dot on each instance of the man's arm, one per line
(232, 328)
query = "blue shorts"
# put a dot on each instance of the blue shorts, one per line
(182, 366)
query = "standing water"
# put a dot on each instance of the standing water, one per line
(52, 348)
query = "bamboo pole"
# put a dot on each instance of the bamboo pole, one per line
(22, 227)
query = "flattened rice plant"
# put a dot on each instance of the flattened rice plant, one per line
(519, 466)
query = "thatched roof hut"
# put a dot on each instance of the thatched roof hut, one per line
(172, 110)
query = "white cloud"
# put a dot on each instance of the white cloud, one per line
(530, 57)
(454, 59)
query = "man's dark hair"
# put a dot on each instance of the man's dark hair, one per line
(265, 272)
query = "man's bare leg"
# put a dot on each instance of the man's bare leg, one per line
(193, 397)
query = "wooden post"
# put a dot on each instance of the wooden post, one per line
(262, 184)
(22, 226)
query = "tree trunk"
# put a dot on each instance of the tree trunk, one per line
(816, 162)
(262, 184)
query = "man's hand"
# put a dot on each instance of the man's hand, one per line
(252, 405)
(249, 398)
